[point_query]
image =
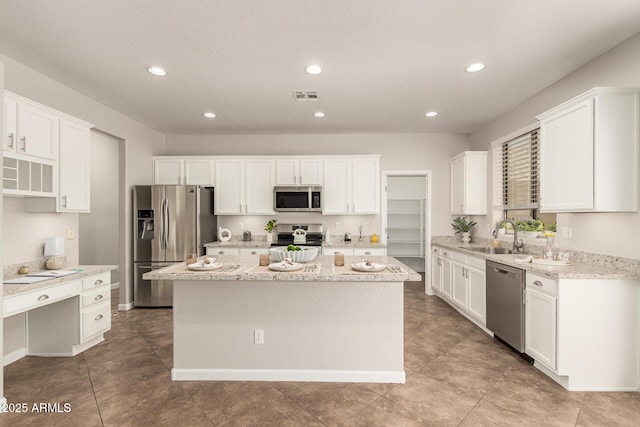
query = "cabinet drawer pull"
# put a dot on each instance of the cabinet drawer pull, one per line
(98, 297)
(537, 283)
(64, 201)
(98, 282)
(367, 253)
(220, 252)
(24, 143)
(254, 252)
(11, 138)
(43, 297)
(99, 316)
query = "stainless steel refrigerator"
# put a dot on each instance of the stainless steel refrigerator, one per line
(170, 222)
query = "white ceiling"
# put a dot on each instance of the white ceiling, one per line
(385, 63)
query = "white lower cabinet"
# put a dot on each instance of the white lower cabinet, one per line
(65, 319)
(253, 251)
(540, 320)
(370, 251)
(460, 280)
(355, 251)
(96, 306)
(436, 270)
(223, 251)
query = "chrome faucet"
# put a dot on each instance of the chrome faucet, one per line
(516, 246)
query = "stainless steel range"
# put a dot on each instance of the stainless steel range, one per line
(299, 235)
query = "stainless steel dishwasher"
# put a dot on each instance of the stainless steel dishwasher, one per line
(505, 303)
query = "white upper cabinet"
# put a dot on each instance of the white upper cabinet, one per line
(589, 153)
(10, 116)
(31, 129)
(365, 181)
(229, 192)
(299, 172)
(469, 183)
(351, 186)
(168, 171)
(183, 171)
(75, 171)
(259, 179)
(244, 186)
(336, 190)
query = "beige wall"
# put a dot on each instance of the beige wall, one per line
(607, 233)
(398, 152)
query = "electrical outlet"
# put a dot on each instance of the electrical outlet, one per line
(70, 233)
(337, 225)
(240, 226)
(566, 233)
(258, 336)
(366, 225)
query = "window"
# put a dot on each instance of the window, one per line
(516, 169)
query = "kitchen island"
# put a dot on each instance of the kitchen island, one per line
(245, 322)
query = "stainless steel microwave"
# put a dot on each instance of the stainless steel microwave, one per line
(297, 199)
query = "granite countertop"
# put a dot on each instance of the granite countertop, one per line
(263, 244)
(321, 269)
(83, 271)
(576, 270)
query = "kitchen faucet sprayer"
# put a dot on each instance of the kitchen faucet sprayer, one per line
(516, 246)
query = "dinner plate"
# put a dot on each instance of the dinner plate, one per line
(283, 266)
(361, 266)
(204, 267)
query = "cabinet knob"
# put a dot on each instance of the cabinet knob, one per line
(43, 297)
(99, 316)
(537, 283)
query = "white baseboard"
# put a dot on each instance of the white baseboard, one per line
(396, 377)
(125, 307)
(13, 356)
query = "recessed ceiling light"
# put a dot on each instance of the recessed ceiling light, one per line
(475, 67)
(313, 69)
(431, 114)
(209, 115)
(319, 114)
(157, 71)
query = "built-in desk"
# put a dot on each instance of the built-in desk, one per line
(62, 316)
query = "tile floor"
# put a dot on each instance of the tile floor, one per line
(456, 375)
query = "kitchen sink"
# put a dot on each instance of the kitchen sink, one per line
(491, 250)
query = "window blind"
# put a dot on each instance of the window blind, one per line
(516, 172)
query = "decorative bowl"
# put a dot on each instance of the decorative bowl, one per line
(305, 254)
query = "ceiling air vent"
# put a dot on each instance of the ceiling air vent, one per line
(305, 95)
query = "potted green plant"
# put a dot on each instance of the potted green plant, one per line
(532, 228)
(269, 227)
(461, 225)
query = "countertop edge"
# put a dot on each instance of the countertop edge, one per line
(574, 271)
(10, 290)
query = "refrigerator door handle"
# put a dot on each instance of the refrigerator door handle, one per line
(163, 238)
(166, 218)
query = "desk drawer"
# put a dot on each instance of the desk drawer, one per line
(96, 280)
(95, 296)
(96, 320)
(40, 297)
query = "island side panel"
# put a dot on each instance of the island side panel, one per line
(313, 331)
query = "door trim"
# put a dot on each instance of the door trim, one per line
(427, 226)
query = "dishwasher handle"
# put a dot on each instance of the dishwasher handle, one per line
(508, 273)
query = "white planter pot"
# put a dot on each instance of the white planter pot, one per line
(466, 237)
